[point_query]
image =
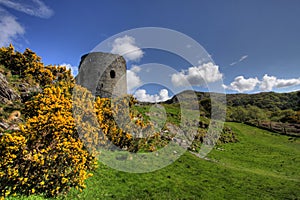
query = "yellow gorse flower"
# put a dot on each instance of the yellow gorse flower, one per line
(45, 155)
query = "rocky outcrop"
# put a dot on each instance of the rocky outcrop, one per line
(8, 126)
(12, 97)
(7, 93)
(27, 91)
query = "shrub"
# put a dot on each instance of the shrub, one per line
(110, 125)
(46, 155)
(28, 65)
(123, 126)
(86, 121)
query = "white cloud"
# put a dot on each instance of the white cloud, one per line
(287, 82)
(10, 28)
(133, 80)
(188, 46)
(242, 84)
(243, 58)
(240, 60)
(142, 95)
(164, 95)
(179, 79)
(126, 47)
(199, 76)
(270, 82)
(35, 7)
(135, 68)
(267, 83)
(74, 69)
(234, 63)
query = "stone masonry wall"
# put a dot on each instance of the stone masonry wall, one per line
(104, 74)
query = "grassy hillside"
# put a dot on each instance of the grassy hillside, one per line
(262, 165)
(264, 100)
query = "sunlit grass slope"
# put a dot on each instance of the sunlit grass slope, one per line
(262, 165)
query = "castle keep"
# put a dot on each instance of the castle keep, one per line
(104, 74)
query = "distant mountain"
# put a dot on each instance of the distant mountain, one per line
(187, 96)
(277, 112)
(267, 100)
(264, 100)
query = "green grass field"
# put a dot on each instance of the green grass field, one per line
(262, 165)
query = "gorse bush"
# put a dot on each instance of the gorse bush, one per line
(46, 155)
(56, 146)
(108, 122)
(105, 123)
(125, 127)
(84, 114)
(28, 65)
(17, 62)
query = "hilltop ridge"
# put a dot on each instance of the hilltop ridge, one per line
(264, 100)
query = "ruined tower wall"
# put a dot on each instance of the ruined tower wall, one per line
(104, 74)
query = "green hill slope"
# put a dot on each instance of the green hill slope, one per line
(262, 165)
(264, 100)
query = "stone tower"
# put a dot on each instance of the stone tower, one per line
(104, 74)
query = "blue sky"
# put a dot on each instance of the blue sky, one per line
(255, 45)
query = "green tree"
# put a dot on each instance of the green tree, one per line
(239, 114)
(255, 114)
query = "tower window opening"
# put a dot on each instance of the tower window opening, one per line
(112, 74)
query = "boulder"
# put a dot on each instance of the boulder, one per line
(27, 91)
(4, 125)
(7, 93)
